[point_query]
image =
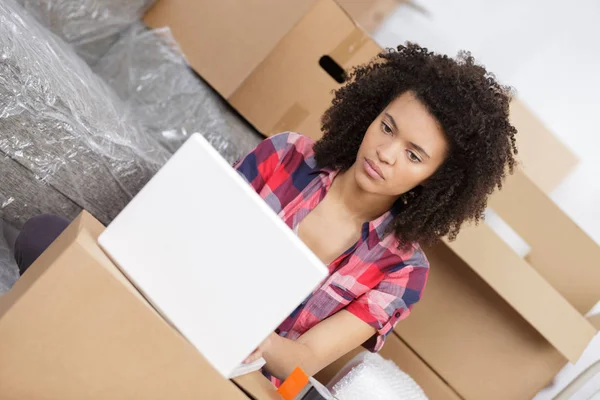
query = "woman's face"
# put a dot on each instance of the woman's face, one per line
(403, 147)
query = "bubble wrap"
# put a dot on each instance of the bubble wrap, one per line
(90, 26)
(370, 377)
(9, 272)
(65, 141)
(149, 73)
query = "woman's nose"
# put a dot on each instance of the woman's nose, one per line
(388, 153)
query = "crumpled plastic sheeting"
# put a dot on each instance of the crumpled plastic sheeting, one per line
(150, 74)
(64, 127)
(369, 376)
(9, 272)
(90, 26)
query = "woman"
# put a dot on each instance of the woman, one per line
(413, 145)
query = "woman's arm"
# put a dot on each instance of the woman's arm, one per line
(318, 347)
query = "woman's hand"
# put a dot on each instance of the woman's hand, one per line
(262, 348)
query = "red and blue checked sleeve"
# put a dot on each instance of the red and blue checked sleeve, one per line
(390, 301)
(258, 166)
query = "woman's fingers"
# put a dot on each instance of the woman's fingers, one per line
(253, 357)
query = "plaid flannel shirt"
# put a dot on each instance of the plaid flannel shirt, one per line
(373, 279)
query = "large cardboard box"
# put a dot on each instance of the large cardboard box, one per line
(267, 57)
(544, 158)
(73, 327)
(474, 339)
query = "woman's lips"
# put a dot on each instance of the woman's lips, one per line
(372, 169)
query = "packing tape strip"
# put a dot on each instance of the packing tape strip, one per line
(290, 120)
(349, 46)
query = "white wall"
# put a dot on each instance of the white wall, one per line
(550, 52)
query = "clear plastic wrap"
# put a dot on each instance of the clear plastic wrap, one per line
(9, 272)
(150, 74)
(90, 26)
(370, 376)
(65, 141)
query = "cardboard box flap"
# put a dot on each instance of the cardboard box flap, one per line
(30, 278)
(475, 339)
(524, 289)
(560, 251)
(595, 321)
(547, 167)
(242, 42)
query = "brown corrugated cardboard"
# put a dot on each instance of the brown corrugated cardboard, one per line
(73, 327)
(595, 321)
(560, 251)
(546, 160)
(524, 289)
(225, 40)
(265, 61)
(257, 386)
(474, 339)
(369, 14)
(299, 89)
(408, 361)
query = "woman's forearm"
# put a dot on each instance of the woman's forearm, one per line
(284, 355)
(314, 350)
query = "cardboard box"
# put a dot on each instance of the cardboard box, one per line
(74, 328)
(595, 320)
(265, 59)
(225, 41)
(396, 350)
(480, 344)
(544, 158)
(257, 386)
(561, 252)
(369, 14)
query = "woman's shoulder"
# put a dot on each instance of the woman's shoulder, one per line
(411, 254)
(291, 139)
(292, 145)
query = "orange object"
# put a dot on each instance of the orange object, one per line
(293, 385)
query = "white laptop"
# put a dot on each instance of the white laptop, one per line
(211, 256)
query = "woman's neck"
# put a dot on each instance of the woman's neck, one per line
(358, 204)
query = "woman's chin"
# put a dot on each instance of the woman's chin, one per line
(366, 183)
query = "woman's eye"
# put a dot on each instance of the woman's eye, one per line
(386, 128)
(412, 156)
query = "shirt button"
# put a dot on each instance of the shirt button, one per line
(397, 315)
(278, 331)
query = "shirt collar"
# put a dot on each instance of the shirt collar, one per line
(378, 228)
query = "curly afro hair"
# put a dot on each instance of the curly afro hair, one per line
(472, 109)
